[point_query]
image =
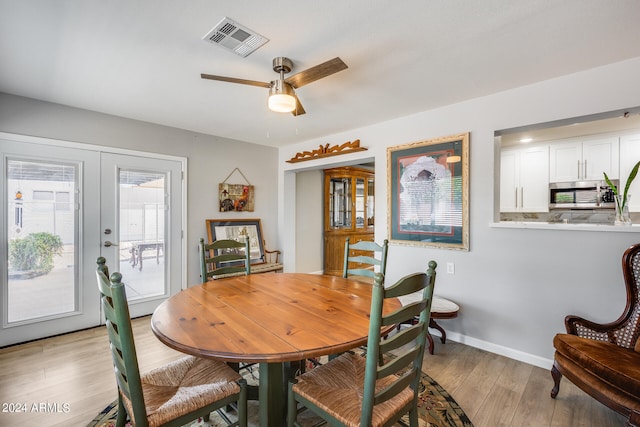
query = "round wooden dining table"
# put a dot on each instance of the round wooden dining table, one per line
(271, 319)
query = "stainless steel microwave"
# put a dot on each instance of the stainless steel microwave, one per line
(581, 195)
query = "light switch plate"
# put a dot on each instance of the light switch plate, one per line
(451, 268)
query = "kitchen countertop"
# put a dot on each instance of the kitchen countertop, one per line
(635, 228)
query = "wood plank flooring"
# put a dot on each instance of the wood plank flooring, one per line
(67, 380)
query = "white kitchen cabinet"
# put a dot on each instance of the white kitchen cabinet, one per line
(579, 160)
(524, 179)
(629, 156)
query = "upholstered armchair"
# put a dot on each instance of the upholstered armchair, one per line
(603, 360)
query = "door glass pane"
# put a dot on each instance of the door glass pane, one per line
(42, 229)
(142, 229)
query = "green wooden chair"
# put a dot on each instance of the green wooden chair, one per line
(224, 258)
(214, 256)
(369, 260)
(174, 394)
(353, 389)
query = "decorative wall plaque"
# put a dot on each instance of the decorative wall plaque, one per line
(326, 151)
(235, 197)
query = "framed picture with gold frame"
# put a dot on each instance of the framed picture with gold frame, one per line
(428, 194)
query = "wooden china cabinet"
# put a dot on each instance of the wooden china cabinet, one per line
(348, 212)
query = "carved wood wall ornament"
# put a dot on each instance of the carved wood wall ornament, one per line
(326, 151)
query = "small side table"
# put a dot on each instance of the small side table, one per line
(441, 308)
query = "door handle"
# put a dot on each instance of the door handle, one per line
(579, 169)
(108, 244)
(584, 173)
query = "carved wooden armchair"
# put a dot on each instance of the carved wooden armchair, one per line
(603, 360)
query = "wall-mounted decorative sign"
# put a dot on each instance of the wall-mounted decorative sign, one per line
(326, 151)
(235, 197)
(428, 195)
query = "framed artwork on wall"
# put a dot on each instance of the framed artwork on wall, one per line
(235, 197)
(239, 229)
(428, 194)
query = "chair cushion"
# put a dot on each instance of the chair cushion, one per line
(184, 386)
(615, 365)
(337, 387)
(442, 305)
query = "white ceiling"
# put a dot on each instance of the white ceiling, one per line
(142, 59)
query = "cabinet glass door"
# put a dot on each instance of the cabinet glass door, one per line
(370, 202)
(340, 202)
(360, 204)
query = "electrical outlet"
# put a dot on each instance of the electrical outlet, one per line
(451, 268)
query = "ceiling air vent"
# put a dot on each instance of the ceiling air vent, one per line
(235, 37)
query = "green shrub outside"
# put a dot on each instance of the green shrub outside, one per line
(35, 252)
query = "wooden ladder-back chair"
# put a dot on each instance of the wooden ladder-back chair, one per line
(214, 255)
(224, 258)
(365, 263)
(603, 360)
(353, 390)
(174, 394)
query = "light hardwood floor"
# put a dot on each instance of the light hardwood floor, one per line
(67, 380)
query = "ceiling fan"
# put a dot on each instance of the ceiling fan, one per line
(282, 95)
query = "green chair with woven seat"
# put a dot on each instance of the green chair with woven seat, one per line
(353, 390)
(224, 258)
(361, 257)
(174, 394)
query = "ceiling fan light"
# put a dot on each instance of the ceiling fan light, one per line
(282, 103)
(281, 97)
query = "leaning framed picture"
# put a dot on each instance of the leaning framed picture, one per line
(428, 194)
(239, 229)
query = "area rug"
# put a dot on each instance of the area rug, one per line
(437, 408)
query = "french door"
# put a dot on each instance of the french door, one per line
(141, 213)
(62, 207)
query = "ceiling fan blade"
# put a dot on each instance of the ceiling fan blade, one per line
(299, 108)
(318, 72)
(234, 80)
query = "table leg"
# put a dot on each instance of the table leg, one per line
(430, 338)
(272, 394)
(443, 334)
(140, 250)
(134, 260)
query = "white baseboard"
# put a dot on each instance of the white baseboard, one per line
(521, 356)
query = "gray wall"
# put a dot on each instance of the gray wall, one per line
(515, 286)
(210, 159)
(309, 221)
